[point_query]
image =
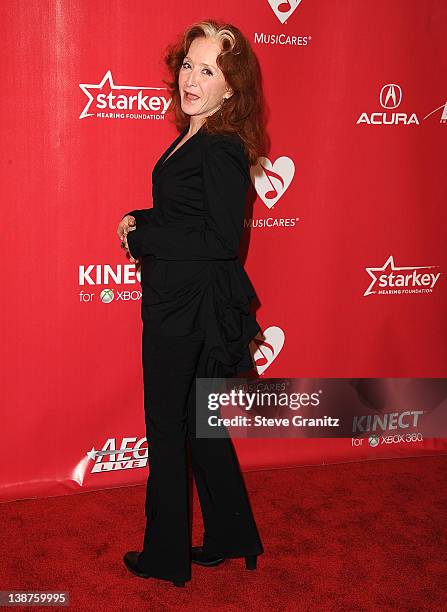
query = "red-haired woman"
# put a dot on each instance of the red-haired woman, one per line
(195, 300)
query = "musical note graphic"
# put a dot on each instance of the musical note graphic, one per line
(270, 195)
(283, 9)
(264, 360)
(284, 6)
(268, 346)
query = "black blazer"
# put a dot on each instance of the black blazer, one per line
(188, 244)
(199, 196)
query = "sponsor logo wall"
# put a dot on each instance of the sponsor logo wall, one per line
(345, 221)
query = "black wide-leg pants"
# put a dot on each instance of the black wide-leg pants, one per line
(170, 366)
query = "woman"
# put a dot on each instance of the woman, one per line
(196, 301)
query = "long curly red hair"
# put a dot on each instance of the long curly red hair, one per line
(244, 112)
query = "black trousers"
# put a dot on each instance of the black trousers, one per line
(170, 366)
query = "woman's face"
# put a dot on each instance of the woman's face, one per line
(200, 75)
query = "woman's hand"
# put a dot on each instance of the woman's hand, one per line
(126, 225)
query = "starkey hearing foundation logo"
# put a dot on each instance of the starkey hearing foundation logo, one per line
(106, 100)
(390, 279)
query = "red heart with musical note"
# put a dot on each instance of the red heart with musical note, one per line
(268, 348)
(284, 8)
(272, 180)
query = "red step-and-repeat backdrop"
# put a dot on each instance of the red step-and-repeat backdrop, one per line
(346, 223)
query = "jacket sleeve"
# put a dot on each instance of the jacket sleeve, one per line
(141, 216)
(216, 236)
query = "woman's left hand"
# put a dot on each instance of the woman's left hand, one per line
(126, 225)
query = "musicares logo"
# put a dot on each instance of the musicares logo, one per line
(284, 8)
(395, 281)
(268, 349)
(121, 99)
(271, 181)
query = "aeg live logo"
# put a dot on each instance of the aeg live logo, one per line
(118, 100)
(112, 458)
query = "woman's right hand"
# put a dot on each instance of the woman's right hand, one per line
(126, 225)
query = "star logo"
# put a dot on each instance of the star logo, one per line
(399, 280)
(92, 454)
(117, 100)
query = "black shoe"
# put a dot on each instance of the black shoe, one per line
(131, 562)
(202, 558)
(250, 562)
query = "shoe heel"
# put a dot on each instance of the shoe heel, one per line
(178, 583)
(250, 562)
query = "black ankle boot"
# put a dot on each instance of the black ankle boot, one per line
(250, 561)
(203, 558)
(131, 562)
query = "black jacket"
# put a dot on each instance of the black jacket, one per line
(199, 196)
(188, 244)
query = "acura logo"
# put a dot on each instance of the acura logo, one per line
(390, 96)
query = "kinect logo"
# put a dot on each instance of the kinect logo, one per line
(117, 100)
(386, 422)
(390, 279)
(105, 274)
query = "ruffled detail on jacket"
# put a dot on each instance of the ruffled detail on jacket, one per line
(233, 327)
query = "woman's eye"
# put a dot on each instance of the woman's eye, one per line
(185, 64)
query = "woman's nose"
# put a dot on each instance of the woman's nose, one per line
(192, 79)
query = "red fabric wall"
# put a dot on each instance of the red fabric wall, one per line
(357, 118)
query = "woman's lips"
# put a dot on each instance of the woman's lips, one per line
(190, 97)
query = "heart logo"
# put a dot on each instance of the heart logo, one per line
(271, 181)
(284, 8)
(267, 349)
